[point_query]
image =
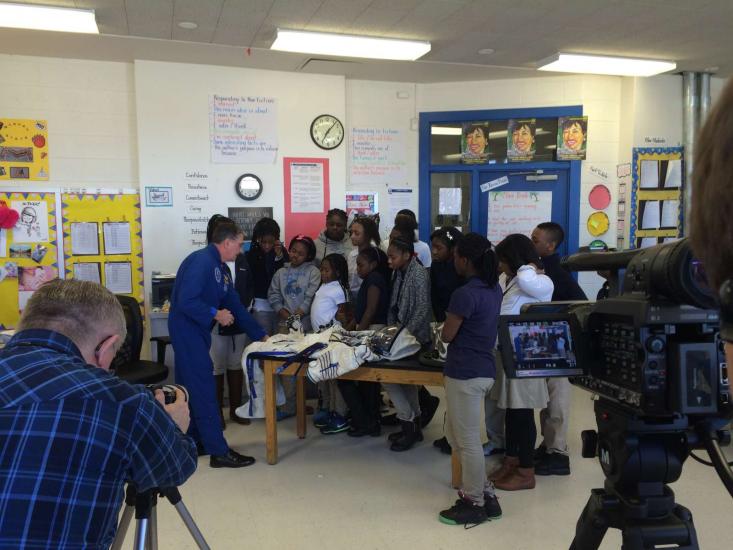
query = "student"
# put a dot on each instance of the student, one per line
(410, 308)
(291, 293)
(523, 283)
(331, 305)
(470, 330)
(551, 457)
(265, 256)
(372, 301)
(443, 277)
(364, 234)
(405, 223)
(228, 342)
(333, 239)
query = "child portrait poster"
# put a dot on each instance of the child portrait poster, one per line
(520, 139)
(572, 137)
(31, 278)
(475, 143)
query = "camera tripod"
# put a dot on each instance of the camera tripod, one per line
(639, 459)
(144, 506)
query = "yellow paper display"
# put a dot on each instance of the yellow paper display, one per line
(118, 257)
(23, 149)
(30, 254)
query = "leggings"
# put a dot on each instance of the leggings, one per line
(521, 434)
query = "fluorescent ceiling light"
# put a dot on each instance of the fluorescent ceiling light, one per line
(46, 18)
(445, 131)
(344, 45)
(600, 64)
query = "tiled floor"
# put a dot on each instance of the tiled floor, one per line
(336, 493)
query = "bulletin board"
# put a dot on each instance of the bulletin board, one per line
(23, 149)
(103, 240)
(307, 196)
(29, 253)
(656, 196)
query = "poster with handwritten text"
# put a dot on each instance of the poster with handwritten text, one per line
(517, 212)
(378, 156)
(243, 129)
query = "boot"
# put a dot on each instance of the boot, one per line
(408, 439)
(219, 379)
(418, 431)
(394, 436)
(510, 464)
(520, 479)
(428, 405)
(235, 379)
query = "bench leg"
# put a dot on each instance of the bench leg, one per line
(300, 405)
(456, 474)
(270, 412)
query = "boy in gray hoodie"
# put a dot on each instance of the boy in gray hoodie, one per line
(334, 239)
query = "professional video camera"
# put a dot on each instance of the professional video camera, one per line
(654, 356)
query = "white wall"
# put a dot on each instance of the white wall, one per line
(173, 130)
(90, 109)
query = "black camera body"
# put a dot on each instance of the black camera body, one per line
(169, 391)
(655, 350)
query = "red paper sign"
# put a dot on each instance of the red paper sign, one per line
(307, 196)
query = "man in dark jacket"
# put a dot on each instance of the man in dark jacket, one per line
(551, 458)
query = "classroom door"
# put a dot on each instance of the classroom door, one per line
(515, 201)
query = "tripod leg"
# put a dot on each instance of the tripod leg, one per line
(141, 532)
(593, 523)
(153, 530)
(123, 527)
(198, 537)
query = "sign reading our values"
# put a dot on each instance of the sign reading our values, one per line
(517, 212)
(520, 139)
(572, 137)
(243, 129)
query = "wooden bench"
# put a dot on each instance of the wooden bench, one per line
(407, 371)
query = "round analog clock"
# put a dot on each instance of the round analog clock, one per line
(327, 131)
(248, 187)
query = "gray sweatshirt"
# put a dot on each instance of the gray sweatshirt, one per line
(294, 287)
(326, 246)
(411, 297)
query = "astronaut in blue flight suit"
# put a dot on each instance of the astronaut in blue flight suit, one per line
(203, 294)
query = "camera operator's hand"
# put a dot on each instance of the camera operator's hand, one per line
(224, 317)
(178, 410)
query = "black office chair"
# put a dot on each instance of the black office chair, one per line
(127, 363)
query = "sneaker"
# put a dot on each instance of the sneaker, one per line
(491, 507)
(464, 512)
(336, 425)
(321, 418)
(539, 453)
(552, 464)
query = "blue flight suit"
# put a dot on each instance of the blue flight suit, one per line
(203, 286)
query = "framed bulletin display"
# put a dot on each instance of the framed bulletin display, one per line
(656, 196)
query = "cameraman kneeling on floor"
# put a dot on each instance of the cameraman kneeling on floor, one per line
(73, 434)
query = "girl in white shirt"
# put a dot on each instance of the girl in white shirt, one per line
(523, 282)
(332, 305)
(364, 234)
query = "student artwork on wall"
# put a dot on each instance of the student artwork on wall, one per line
(520, 139)
(30, 252)
(475, 143)
(362, 203)
(572, 137)
(103, 240)
(657, 180)
(23, 149)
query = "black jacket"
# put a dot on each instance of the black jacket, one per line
(263, 268)
(244, 285)
(566, 288)
(443, 281)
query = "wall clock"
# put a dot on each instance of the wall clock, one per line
(248, 187)
(327, 131)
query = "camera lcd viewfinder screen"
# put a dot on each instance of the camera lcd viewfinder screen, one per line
(533, 348)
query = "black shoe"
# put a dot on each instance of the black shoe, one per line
(464, 512)
(374, 431)
(410, 435)
(200, 451)
(443, 445)
(394, 436)
(553, 464)
(428, 406)
(231, 460)
(539, 453)
(491, 507)
(389, 420)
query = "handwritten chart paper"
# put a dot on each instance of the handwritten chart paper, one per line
(377, 156)
(243, 129)
(517, 212)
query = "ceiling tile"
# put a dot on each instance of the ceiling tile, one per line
(150, 18)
